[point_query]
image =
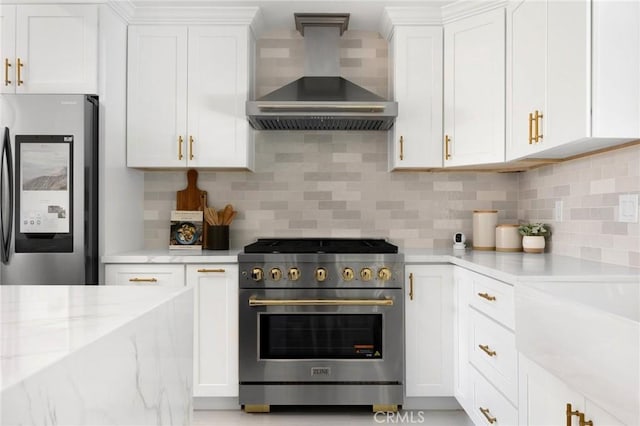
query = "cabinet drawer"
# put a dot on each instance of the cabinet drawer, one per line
(163, 275)
(489, 404)
(492, 350)
(493, 298)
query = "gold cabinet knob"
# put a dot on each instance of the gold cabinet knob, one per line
(294, 274)
(384, 274)
(321, 274)
(348, 274)
(275, 274)
(366, 274)
(257, 274)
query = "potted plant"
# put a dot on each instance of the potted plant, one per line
(533, 235)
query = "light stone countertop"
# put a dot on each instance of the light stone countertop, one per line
(173, 256)
(43, 324)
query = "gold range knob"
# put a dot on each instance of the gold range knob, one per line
(257, 274)
(321, 274)
(348, 274)
(275, 274)
(294, 274)
(366, 274)
(384, 274)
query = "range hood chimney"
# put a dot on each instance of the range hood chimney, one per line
(322, 100)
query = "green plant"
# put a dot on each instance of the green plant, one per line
(534, 229)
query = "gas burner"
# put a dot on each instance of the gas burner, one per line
(320, 245)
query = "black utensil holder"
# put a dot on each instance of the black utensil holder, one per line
(217, 237)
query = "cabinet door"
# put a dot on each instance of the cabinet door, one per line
(218, 86)
(157, 96)
(57, 46)
(462, 386)
(8, 47)
(526, 73)
(415, 141)
(474, 87)
(429, 330)
(145, 274)
(215, 329)
(543, 398)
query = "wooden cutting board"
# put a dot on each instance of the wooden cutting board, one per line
(191, 198)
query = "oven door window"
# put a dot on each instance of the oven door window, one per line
(320, 336)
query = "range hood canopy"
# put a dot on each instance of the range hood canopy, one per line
(322, 100)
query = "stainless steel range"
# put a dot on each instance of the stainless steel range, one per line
(321, 323)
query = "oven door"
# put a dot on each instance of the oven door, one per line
(321, 335)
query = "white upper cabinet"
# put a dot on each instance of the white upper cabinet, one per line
(416, 84)
(187, 88)
(49, 48)
(572, 76)
(474, 87)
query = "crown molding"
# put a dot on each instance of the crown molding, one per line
(465, 8)
(399, 15)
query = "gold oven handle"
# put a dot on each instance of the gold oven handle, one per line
(320, 302)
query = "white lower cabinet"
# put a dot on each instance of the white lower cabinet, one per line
(144, 274)
(215, 366)
(544, 399)
(429, 330)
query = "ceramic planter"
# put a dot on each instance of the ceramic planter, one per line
(533, 244)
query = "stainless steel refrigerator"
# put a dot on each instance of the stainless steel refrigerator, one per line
(49, 189)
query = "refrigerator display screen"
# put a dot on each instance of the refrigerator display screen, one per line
(45, 186)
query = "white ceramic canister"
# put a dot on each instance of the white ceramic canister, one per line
(484, 229)
(508, 238)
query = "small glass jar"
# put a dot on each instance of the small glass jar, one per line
(484, 229)
(508, 238)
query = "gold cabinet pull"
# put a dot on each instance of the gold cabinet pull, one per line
(487, 350)
(487, 415)
(537, 116)
(143, 280)
(7, 64)
(487, 296)
(447, 140)
(583, 422)
(570, 413)
(411, 286)
(19, 70)
(180, 141)
(190, 147)
(401, 148)
(320, 302)
(211, 270)
(530, 128)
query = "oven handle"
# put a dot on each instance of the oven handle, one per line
(320, 302)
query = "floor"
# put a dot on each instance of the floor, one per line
(352, 416)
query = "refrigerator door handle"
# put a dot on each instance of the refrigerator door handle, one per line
(5, 234)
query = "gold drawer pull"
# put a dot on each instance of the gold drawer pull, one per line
(143, 280)
(487, 350)
(19, 70)
(487, 415)
(211, 270)
(487, 296)
(6, 72)
(530, 128)
(570, 413)
(180, 142)
(583, 422)
(447, 141)
(401, 148)
(411, 286)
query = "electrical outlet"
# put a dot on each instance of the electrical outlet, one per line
(628, 208)
(558, 211)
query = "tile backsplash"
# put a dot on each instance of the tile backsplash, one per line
(589, 189)
(336, 184)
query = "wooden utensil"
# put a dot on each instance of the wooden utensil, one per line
(191, 198)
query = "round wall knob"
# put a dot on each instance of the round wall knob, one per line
(366, 274)
(294, 274)
(384, 274)
(256, 274)
(321, 274)
(275, 274)
(347, 274)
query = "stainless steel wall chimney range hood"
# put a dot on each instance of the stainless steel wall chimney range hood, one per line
(322, 100)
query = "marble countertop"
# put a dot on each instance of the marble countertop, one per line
(173, 256)
(41, 325)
